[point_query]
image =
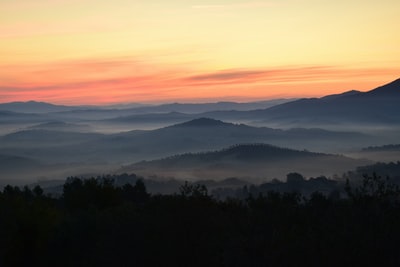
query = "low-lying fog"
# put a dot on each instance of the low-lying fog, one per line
(40, 141)
(55, 150)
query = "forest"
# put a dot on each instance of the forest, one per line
(98, 223)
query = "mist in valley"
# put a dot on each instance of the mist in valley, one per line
(43, 142)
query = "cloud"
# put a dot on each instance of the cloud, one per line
(90, 80)
(227, 75)
(123, 79)
(252, 75)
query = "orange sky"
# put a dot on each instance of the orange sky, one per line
(103, 52)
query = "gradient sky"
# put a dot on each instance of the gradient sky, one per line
(98, 51)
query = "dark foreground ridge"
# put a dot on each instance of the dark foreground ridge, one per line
(202, 122)
(95, 223)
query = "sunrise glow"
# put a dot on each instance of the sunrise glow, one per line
(103, 52)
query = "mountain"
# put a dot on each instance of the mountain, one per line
(335, 96)
(17, 169)
(35, 107)
(253, 162)
(39, 137)
(392, 147)
(74, 152)
(204, 134)
(203, 122)
(104, 112)
(193, 108)
(11, 117)
(61, 126)
(378, 106)
(390, 91)
(9, 163)
(79, 152)
(163, 115)
(242, 152)
(169, 117)
(49, 146)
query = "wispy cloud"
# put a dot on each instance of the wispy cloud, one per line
(114, 80)
(301, 74)
(271, 74)
(228, 75)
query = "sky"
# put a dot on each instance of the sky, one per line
(155, 51)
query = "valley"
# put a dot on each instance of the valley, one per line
(255, 142)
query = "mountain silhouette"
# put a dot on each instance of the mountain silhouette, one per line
(135, 108)
(345, 94)
(255, 152)
(34, 107)
(378, 106)
(60, 126)
(258, 161)
(389, 90)
(203, 122)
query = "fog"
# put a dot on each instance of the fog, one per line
(57, 142)
(56, 149)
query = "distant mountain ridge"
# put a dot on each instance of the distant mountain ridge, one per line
(391, 89)
(247, 152)
(202, 122)
(52, 144)
(190, 108)
(258, 161)
(193, 108)
(375, 107)
(345, 94)
(378, 106)
(35, 107)
(391, 147)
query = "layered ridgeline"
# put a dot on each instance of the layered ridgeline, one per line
(369, 110)
(376, 107)
(136, 108)
(115, 118)
(72, 153)
(62, 141)
(193, 136)
(252, 162)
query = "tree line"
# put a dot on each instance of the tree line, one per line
(96, 223)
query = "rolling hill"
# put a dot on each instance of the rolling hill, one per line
(192, 136)
(61, 126)
(74, 150)
(204, 134)
(252, 162)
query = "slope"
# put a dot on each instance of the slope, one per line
(252, 162)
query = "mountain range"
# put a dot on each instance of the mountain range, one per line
(62, 152)
(251, 162)
(48, 140)
(376, 107)
(43, 107)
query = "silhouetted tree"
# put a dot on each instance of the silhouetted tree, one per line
(38, 191)
(193, 190)
(96, 223)
(374, 187)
